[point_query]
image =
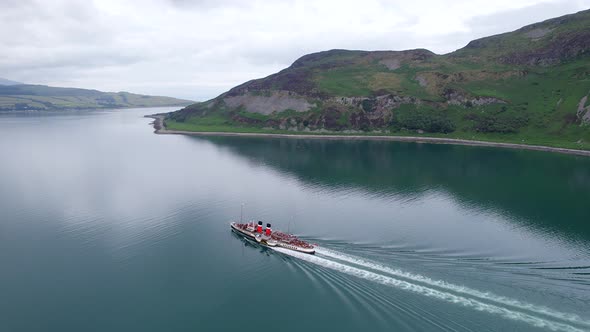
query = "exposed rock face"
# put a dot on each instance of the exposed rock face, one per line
(584, 111)
(455, 97)
(391, 64)
(538, 33)
(275, 101)
(381, 102)
(422, 80)
(375, 111)
(378, 106)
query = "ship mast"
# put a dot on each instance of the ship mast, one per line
(289, 224)
(242, 213)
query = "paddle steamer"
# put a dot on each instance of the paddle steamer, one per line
(268, 237)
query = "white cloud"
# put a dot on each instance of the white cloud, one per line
(198, 49)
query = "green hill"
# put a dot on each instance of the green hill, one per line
(527, 86)
(41, 97)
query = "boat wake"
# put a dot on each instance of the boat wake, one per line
(537, 316)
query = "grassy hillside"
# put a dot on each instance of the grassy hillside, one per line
(529, 86)
(41, 97)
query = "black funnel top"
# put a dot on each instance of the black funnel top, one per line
(267, 225)
(260, 223)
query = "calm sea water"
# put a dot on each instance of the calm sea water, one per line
(105, 226)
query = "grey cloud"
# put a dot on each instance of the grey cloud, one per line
(198, 49)
(207, 4)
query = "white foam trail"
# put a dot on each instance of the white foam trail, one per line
(455, 288)
(430, 292)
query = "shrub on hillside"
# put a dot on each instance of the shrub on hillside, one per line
(503, 120)
(422, 118)
(369, 105)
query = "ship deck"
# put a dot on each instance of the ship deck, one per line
(284, 240)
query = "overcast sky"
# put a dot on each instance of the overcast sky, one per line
(199, 49)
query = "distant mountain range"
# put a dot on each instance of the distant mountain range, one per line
(4, 81)
(15, 96)
(528, 86)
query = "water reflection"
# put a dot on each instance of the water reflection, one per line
(546, 191)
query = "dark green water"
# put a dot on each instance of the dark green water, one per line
(105, 226)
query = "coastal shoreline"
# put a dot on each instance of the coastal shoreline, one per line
(158, 125)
